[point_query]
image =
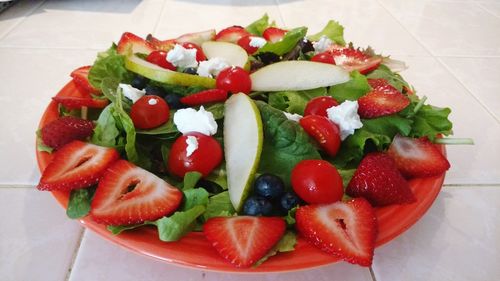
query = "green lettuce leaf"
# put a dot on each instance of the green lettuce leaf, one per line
(431, 121)
(174, 227)
(393, 78)
(219, 205)
(257, 27)
(286, 44)
(40, 146)
(353, 89)
(333, 30)
(194, 197)
(294, 101)
(190, 180)
(286, 244)
(79, 202)
(117, 229)
(290, 216)
(106, 132)
(109, 65)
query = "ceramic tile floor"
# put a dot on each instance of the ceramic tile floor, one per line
(452, 48)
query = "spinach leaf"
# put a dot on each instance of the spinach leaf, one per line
(219, 205)
(174, 227)
(257, 27)
(79, 202)
(106, 132)
(286, 44)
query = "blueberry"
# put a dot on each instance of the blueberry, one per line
(257, 206)
(139, 82)
(269, 186)
(289, 200)
(190, 70)
(173, 101)
(154, 90)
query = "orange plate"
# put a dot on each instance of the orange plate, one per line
(194, 251)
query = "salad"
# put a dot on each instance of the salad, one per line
(251, 135)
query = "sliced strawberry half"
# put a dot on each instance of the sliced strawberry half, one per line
(382, 100)
(127, 194)
(354, 59)
(206, 96)
(345, 229)
(417, 157)
(231, 34)
(243, 240)
(77, 165)
(75, 97)
(162, 45)
(378, 180)
(130, 42)
(274, 34)
(81, 78)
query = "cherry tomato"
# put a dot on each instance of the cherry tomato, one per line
(200, 56)
(244, 42)
(234, 79)
(317, 182)
(326, 133)
(325, 57)
(149, 112)
(319, 105)
(204, 159)
(160, 58)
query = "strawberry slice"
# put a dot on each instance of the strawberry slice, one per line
(417, 157)
(64, 130)
(383, 100)
(130, 42)
(378, 180)
(162, 45)
(345, 229)
(354, 59)
(243, 240)
(206, 96)
(81, 78)
(274, 34)
(231, 34)
(127, 194)
(76, 165)
(75, 97)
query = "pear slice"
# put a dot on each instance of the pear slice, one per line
(297, 75)
(243, 139)
(156, 73)
(197, 37)
(231, 53)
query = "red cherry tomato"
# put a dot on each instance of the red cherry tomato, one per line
(325, 57)
(319, 105)
(326, 133)
(204, 159)
(234, 79)
(149, 112)
(160, 58)
(244, 42)
(317, 182)
(200, 56)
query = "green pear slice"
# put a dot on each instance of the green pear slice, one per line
(243, 139)
(156, 73)
(197, 37)
(231, 53)
(297, 75)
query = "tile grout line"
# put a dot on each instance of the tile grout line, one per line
(279, 11)
(480, 5)
(157, 24)
(439, 61)
(372, 274)
(47, 48)
(478, 185)
(24, 17)
(6, 185)
(75, 255)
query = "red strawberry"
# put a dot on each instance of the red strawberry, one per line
(231, 34)
(353, 59)
(244, 240)
(417, 157)
(162, 45)
(76, 97)
(77, 165)
(127, 194)
(206, 96)
(383, 100)
(245, 41)
(274, 34)
(378, 180)
(344, 229)
(81, 78)
(130, 42)
(66, 129)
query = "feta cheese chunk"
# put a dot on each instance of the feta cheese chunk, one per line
(211, 68)
(130, 92)
(257, 42)
(182, 57)
(294, 117)
(345, 115)
(192, 145)
(322, 45)
(190, 120)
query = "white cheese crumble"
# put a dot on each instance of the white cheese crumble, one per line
(345, 115)
(294, 117)
(152, 101)
(182, 57)
(211, 68)
(192, 145)
(190, 120)
(257, 42)
(322, 45)
(130, 92)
